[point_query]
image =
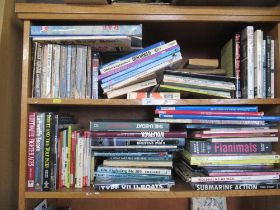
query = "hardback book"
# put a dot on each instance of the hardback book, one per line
(208, 203)
(202, 63)
(247, 62)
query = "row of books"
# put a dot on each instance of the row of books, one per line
(223, 155)
(250, 57)
(135, 155)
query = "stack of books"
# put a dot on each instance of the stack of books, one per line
(136, 71)
(228, 148)
(197, 85)
(135, 155)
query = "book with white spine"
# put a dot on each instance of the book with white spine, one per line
(258, 63)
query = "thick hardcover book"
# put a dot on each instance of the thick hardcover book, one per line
(134, 142)
(39, 160)
(235, 186)
(140, 134)
(247, 62)
(198, 112)
(204, 147)
(258, 63)
(210, 117)
(134, 170)
(48, 151)
(237, 64)
(87, 30)
(127, 58)
(211, 108)
(127, 126)
(268, 66)
(115, 183)
(31, 151)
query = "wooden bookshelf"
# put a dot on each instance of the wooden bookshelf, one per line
(195, 28)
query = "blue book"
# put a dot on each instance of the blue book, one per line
(211, 108)
(138, 176)
(140, 64)
(133, 54)
(140, 70)
(212, 117)
(87, 30)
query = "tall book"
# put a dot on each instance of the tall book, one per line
(247, 62)
(31, 151)
(258, 63)
(268, 66)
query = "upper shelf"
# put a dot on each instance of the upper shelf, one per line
(145, 12)
(124, 102)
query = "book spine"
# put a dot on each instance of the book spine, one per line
(31, 151)
(128, 126)
(169, 157)
(258, 64)
(149, 187)
(79, 163)
(60, 160)
(234, 186)
(268, 66)
(204, 121)
(272, 69)
(54, 160)
(63, 72)
(203, 147)
(150, 56)
(211, 108)
(48, 89)
(131, 154)
(73, 158)
(88, 73)
(55, 71)
(234, 178)
(264, 69)
(236, 157)
(135, 71)
(47, 152)
(73, 71)
(38, 70)
(68, 71)
(128, 58)
(211, 113)
(139, 142)
(250, 60)
(210, 117)
(131, 30)
(34, 60)
(151, 171)
(94, 80)
(39, 160)
(148, 71)
(237, 56)
(141, 134)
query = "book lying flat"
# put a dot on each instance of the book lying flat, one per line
(124, 163)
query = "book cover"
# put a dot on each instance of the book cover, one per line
(128, 126)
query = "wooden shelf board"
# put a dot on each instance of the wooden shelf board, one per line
(181, 192)
(145, 12)
(125, 102)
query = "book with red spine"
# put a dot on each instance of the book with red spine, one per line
(197, 112)
(31, 151)
(141, 134)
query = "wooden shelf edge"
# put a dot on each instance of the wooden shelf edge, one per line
(147, 194)
(125, 102)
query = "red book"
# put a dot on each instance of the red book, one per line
(223, 113)
(31, 151)
(140, 134)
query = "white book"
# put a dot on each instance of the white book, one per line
(233, 178)
(247, 62)
(143, 74)
(272, 69)
(131, 88)
(135, 58)
(258, 63)
(249, 139)
(79, 162)
(208, 203)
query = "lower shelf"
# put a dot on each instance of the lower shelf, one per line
(181, 190)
